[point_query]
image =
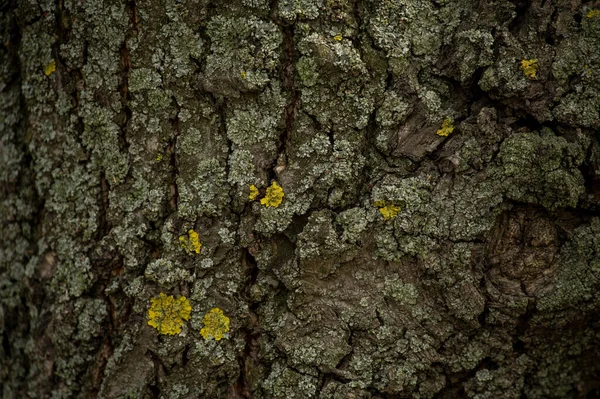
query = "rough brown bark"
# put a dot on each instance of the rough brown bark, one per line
(439, 234)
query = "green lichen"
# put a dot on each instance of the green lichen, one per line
(163, 272)
(578, 277)
(542, 169)
(291, 10)
(283, 382)
(404, 293)
(233, 52)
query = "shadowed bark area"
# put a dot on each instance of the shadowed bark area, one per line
(439, 232)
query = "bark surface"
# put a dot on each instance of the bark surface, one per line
(439, 233)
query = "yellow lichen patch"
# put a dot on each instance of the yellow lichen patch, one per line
(50, 68)
(243, 74)
(338, 37)
(253, 192)
(446, 129)
(593, 13)
(167, 314)
(529, 68)
(192, 242)
(274, 196)
(388, 210)
(216, 324)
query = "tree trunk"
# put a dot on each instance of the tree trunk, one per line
(438, 234)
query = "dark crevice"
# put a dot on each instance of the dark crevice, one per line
(104, 225)
(71, 82)
(521, 13)
(482, 318)
(591, 178)
(172, 151)
(109, 265)
(519, 344)
(248, 358)
(185, 355)
(220, 105)
(126, 66)
(134, 19)
(119, 308)
(154, 392)
(455, 382)
(551, 36)
(296, 227)
(288, 76)
(123, 88)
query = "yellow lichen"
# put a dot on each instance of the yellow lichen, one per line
(446, 129)
(253, 192)
(243, 74)
(216, 324)
(529, 68)
(159, 157)
(167, 314)
(387, 209)
(50, 68)
(593, 13)
(192, 242)
(338, 37)
(274, 196)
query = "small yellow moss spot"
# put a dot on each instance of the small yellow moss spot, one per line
(338, 37)
(529, 68)
(593, 13)
(253, 192)
(167, 314)
(191, 243)
(215, 324)
(50, 68)
(446, 129)
(274, 196)
(388, 210)
(243, 74)
(159, 157)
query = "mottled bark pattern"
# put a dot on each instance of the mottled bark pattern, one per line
(160, 115)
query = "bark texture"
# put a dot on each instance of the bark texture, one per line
(401, 263)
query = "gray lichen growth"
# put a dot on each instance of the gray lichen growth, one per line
(157, 117)
(542, 169)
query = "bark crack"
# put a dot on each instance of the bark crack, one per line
(247, 359)
(172, 150)
(288, 76)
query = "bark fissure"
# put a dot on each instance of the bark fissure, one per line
(288, 72)
(248, 359)
(172, 151)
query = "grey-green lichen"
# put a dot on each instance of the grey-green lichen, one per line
(543, 169)
(158, 118)
(578, 272)
(244, 52)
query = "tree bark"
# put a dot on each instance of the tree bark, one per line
(439, 231)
